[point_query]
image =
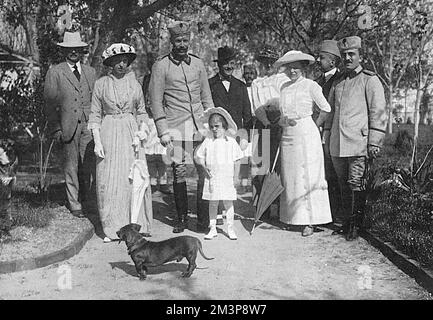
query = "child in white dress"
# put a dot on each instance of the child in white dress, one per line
(220, 156)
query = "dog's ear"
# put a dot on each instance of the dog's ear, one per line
(135, 227)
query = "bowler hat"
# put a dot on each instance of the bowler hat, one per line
(225, 54)
(349, 43)
(294, 55)
(179, 28)
(117, 49)
(330, 46)
(72, 40)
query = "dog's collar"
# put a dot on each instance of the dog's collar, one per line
(137, 245)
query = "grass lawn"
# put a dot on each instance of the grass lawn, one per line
(405, 217)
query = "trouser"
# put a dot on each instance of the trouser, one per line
(183, 155)
(351, 173)
(333, 187)
(79, 166)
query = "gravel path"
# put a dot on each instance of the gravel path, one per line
(270, 264)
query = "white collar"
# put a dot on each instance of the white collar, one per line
(71, 66)
(330, 72)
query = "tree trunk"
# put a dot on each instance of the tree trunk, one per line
(391, 107)
(405, 104)
(391, 70)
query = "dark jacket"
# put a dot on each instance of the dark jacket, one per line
(236, 101)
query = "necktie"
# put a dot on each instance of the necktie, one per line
(77, 74)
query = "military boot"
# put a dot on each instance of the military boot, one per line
(181, 200)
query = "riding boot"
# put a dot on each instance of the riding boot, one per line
(202, 205)
(352, 233)
(181, 200)
(347, 207)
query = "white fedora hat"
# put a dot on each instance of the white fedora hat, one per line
(294, 55)
(72, 40)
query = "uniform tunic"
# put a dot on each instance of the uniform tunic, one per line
(179, 93)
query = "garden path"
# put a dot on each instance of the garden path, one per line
(270, 264)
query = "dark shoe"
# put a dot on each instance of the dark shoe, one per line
(352, 234)
(164, 189)
(179, 227)
(78, 213)
(341, 230)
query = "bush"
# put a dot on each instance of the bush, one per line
(405, 220)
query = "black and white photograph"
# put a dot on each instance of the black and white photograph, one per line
(216, 156)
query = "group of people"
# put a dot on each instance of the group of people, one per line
(319, 135)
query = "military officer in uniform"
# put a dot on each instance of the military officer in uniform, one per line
(179, 93)
(355, 131)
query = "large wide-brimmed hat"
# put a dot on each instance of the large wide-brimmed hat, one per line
(232, 127)
(293, 56)
(225, 54)
(72, 40)
(117, 49)
(330, 46)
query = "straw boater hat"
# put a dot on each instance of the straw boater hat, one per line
(294, 55)
(72, 40)
(232, 127)
(117, 49)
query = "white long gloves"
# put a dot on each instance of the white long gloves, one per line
(99, 150)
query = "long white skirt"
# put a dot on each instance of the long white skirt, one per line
(305, 198)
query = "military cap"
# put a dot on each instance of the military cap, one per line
(349, 43)
(330, 46)
(179, 28)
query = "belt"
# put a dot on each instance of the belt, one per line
(119, 115)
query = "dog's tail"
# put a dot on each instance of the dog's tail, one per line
(200, 249)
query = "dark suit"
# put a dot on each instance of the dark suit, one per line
(235, 101)
(330, 174)
(67, 108)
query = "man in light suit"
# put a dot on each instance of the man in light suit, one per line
(68, 93)
(355, 131)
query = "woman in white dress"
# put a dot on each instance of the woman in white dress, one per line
(118, 121)
(305, 199)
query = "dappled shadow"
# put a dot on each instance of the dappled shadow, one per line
(129, 268)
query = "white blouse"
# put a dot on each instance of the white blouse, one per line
(297, 98)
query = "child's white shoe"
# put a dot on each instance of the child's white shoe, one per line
(213, 231)
(231, 233)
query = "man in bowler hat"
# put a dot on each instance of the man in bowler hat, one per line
(68, 93)
(179, 93)
(354, 133)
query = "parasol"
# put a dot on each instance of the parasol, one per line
(139, 176)
(270, 190)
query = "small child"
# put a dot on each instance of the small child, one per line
(220, 156)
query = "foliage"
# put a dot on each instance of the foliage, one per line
(404, 220)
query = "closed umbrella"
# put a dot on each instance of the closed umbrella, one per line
(270, 190)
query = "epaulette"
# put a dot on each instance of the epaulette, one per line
(162, 57)
(191, 54)
(368, 72)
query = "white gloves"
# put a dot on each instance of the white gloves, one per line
(99, 150)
